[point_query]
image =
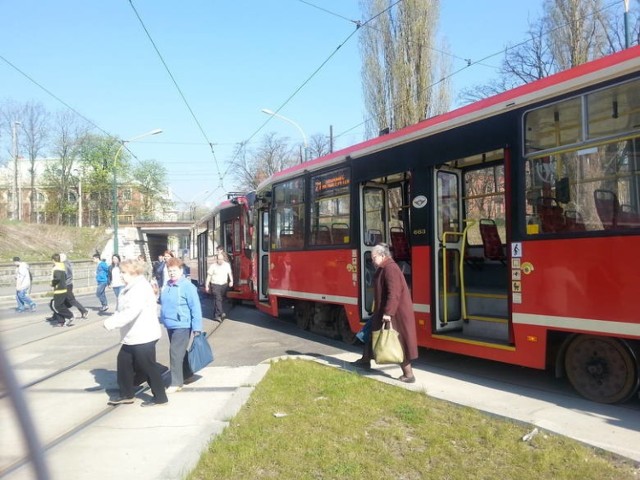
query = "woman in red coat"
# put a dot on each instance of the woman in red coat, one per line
(393, 304)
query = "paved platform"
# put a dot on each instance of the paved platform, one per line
(165, 442)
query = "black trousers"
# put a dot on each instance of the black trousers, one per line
(59, 307)
(72, 301)
(218, 292)
(137, 362)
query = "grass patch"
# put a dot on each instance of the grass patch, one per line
(37, 242)
(341, 425)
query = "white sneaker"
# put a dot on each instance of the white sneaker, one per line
(173, 389)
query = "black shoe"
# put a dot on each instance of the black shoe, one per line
(121, 401)
(361, 363)
(405, 379)
(218, 319)
(152, 403)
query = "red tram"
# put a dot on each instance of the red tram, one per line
(515, 219)
(228, 225)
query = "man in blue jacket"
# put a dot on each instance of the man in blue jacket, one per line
(102, 280)
(181, 314)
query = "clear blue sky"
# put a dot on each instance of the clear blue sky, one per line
(230, 59)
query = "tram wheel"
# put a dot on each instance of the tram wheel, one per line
(601, 369)
(303, 313)
(344, 329)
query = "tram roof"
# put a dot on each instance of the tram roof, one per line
(600, 70)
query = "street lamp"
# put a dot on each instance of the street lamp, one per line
(282, 117)
(115, 187)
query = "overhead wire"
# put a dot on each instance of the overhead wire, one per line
(479, 62)
(307, 80)
(182, 96)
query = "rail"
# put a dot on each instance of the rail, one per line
(445, 289)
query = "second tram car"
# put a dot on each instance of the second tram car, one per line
(515, 219)
(228, 225)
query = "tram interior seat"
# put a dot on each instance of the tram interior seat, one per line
(289, 239)
(612, 214)
(400, 245)
(573, 221)
(374, 237)
(340, 233)
(493, 249)
(552, 218)
(321, 235)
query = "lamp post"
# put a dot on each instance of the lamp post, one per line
(79, 174)
(627, 40)
(115, 186)
(282, 117)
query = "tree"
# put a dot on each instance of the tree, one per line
(65, 172)
(571, 32)
(402, 74)
(97, 157)
(151, 177)
(251, 168)
(319, 145)
(35, 131)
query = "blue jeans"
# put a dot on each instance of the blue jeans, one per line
(179, 339)
(23, 299)
(101, 295)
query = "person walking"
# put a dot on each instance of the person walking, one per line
(219, 277)
(102, 280)
(23, 286)
(392, 304)
(136, 317)
(71, 300)
(115, 280)
(61, 313)
(181, 314)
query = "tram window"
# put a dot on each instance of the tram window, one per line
(330, 208)
(375, 211)
(288, 215)
(484, 198)
(613, 110)
(593, 189)
(554, 126)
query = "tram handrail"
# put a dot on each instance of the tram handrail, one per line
(463, 301)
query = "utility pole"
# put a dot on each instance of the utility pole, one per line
(16, 200)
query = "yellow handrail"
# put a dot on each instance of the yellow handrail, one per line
(463, 302)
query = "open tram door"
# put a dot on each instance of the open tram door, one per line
(373, 230)
(261, 233)
(449, 241)
(471, 274)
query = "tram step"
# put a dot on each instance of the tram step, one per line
(487, 305)
(487, 326)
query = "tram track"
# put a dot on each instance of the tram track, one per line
(73, 421)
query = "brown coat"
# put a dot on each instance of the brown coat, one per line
(392, 297)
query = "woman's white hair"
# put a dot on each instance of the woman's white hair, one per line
(381, 249)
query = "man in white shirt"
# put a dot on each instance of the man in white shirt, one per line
(219, 276)
(23, 285)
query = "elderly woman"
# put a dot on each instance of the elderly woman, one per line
(181, 313)
(136, 317)
(393, 304)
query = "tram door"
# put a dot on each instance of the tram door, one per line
(374, 229)
(448, 249)
(262, 234)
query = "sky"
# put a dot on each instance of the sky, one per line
(202, 71)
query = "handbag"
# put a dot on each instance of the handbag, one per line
(386, 345)
(199, 354)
